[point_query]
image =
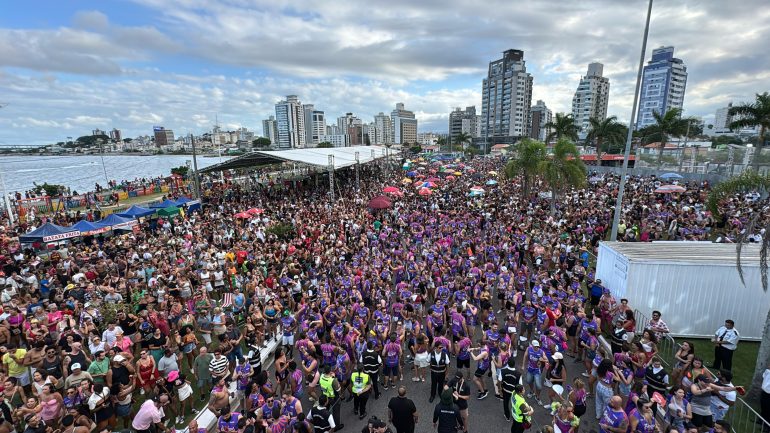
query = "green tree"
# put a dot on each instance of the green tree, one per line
(182, 170)
(324, 145)
(607, 132)
(666, 126)
(415, 148)
(462, 139)
(562, 126)
(752, 114)
(758, 219)
(562, 169)
(527, 156)
(261, 142)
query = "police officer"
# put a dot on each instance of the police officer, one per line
(446, 415)
(322, 419)
(439, 361)
(372, 362)
(520, 410)
(360, 384)
(330, 387)
(510, 379)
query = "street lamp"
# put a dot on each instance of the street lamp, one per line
(629, 137)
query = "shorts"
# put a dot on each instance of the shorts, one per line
(184, 392)
(23, 378)
(534, 378)
(314, 382)
(422, 360)
(463, 363)
(123, 410)
(701, 420)
(188, 348)
(480, 373)
(388, 370)
(525, 326)
(287, 340)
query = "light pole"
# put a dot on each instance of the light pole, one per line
(629, 137)
(7, 200)
(196, 179)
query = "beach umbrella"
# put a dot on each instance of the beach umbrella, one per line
(390, 189)
(477, 189)
(380, 202)
(243, 215)
(434, 179)
(491, 182)
(458, 173)
(670, 189)
(425, 191)
(411, 173)
(492, 173)
(255, 211)
(476, 193)
(668, 176)
(450, 177)
(426, 185)
(432, 171)
(406, 180)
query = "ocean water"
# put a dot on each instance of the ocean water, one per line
(81, 173)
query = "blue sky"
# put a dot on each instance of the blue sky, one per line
(67, 67)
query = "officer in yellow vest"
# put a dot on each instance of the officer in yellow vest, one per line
(360, 384)
(520, 410)
(331, 389)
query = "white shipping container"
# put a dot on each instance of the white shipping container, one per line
(695, 285)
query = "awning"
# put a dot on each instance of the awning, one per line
(164, 204)
(136, 212)
(87, 228)
(49, 233)
(116, 222)
(317, 157)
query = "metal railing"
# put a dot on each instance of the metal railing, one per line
(741, 416)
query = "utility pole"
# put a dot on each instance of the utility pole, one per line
(629, 137)
(196, 179)
(331, 179)
(6, 199)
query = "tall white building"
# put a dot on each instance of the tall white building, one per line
(404, 125)
(541, 116)
(383, 129)
(663, 85)
(591, 98)
(723, 118)
(315, 125)
(506, 98)
(269, 130)
(463, 121)
(290, 123)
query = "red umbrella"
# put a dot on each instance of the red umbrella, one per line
(255, 211)
(668, 189)
(391, 189)
(433, 179)
(380, 202)
(450, 177)
(243, 215)
(425, 191)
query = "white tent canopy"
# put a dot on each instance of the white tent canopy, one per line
(318, 157)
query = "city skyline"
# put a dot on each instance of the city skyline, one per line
(69, 68)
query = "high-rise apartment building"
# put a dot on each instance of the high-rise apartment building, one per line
(269, 130)
(290, 123)
(723, 118)
(404, 125)
(383, 129)
(462, 121)
(663, 85)
(315, 125)
(591, 98)
(506, 97)
(163, 136)
(541, 116)
(116, 135)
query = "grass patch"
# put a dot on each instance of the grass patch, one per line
(744, 358)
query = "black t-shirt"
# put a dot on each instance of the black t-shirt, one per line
(403, 411)
(461, 387)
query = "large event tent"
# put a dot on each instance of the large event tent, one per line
(49, 232)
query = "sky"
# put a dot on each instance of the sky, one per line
(68, 67)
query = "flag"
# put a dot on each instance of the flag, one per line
(227, 300)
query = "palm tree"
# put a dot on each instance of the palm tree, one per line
(667, 125)
(527, 157)
(563, 126)
(608, 131)
(441, 141)
(462, 139)
(759, 219)
(753, 114)
(563, 169)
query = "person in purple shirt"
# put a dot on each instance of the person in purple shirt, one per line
(614, 418)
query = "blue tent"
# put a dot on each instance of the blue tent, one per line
(87, 228)
(136, 212)
(117, 222)
(164, 204)
(183, 201)
(49, 233)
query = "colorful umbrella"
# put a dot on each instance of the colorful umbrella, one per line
(491, 182)
(670, 189)
(426, 185)
(255, 211)
(450, 177)
(380, 202)
(391, 189)
(492, 173)
(425, 191)
(458, 173)
(406, 180)
(477, 189)
(243, 215)
(434, 179)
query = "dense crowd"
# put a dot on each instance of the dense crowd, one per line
(495, 293)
